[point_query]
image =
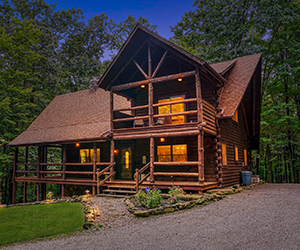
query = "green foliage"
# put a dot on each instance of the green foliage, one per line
(151, 199)
(174, 192)
(23, 223)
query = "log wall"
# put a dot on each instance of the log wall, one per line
(233, 134)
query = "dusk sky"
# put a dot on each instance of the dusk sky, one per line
(163, 13)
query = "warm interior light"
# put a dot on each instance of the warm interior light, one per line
(162, 139)
(77, 144)
(179, 79)
(116, 151)
(142, 86)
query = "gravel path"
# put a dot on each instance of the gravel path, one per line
(265, 217)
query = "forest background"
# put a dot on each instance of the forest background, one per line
(46, 52)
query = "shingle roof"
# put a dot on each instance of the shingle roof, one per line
(71, 117)
(237, 81)
(222, 67)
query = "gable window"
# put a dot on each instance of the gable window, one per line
(173, 108)
(236, 116)
(224, 154)
(245, 157)
(236, 154)
(175, 153)
(87, 155)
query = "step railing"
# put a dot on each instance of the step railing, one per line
(105, 171)
(138, 173)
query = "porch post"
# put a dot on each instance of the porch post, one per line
(111, 104)
(150, 88)
(44, 160)
(25, 174)
(64, 169)
(151, 159)
(112, 156)
(201, 132)
(94, 167)
(38, 198)
(14, 191)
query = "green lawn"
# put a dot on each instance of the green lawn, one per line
(22, 223)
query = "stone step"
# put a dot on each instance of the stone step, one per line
(118, 191)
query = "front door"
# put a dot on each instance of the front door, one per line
(126, 163)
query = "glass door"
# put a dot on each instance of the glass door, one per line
(126, 163)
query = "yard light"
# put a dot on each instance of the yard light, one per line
(87, 192)
(93, 211)
(50, 195)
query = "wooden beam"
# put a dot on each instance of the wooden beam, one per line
(14, 191)
(64, 162)
(132, 108)
(140, 69)
(176, 114)
(131, 118)
(171, 163)
(38, 198)
(176, 174)
(153, 80)
(95, 160)
(152, 156)
(156, 135)
(111, 106)
(112, 158)
(150, 88)
(25, 174)
(160, 63)
(126, 64)
(62, 190)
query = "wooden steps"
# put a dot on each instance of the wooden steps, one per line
(116, 189)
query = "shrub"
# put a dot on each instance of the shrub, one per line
(150, 199)
(174, 192)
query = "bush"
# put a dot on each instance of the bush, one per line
(174, 192)
(150, 199)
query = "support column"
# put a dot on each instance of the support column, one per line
(150, 88)
(25, 174)
(64, 148)
(14, 191)
(151, 159)
(112, 157)
(111, 104)
(94, 167)
(38, 198)
(44, 160)
(200, 124)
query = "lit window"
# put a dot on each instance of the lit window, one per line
(236, 154)
(87, 155)
(224, 154)
(174, 108)
(175, 153)
(236, 116)
(245, 157)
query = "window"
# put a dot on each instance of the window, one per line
(224, 154)
(87, 155)
(236, 116)
(236, 154)
(175, 153)
(245, 157)
(174, 108)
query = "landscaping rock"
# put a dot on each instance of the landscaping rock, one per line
(142, 213)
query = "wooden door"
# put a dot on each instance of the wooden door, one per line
(126, 163)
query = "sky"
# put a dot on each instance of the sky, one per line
(162, 13)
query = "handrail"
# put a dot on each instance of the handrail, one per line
(137, 175)
(99, 173)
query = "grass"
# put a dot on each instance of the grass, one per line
(23, 223)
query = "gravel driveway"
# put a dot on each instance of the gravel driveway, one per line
(265, 217)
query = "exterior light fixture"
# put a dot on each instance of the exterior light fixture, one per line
(50, 195)
(87, 192)
(179, 79)
(162, 139)
(93, 212)
(116, 151)
(142, 86)
(77, 144)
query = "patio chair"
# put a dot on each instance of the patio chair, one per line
(139, 123)
(160, 121)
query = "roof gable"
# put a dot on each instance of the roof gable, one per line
(121, 69)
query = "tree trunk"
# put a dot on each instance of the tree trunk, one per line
(270, 176)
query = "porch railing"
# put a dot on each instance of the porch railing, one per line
(104, 172)
(138, 173)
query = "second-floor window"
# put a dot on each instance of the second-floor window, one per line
(173, 108)
(87, 155)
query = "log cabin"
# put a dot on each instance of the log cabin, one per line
(158, 117)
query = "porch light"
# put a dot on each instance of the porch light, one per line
(77, 144)
(142, 86)
(162, 139)
(179, 79)
(116, 151)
